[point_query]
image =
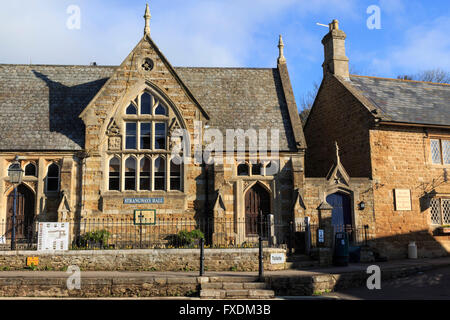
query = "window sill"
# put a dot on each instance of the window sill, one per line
(141, 151)
(51, 194)
(147, 194)
(436, 165)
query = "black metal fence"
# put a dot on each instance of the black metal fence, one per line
(305, 237)
(174, 232)
(358, 236)
(25, 233)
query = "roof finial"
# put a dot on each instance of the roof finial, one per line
(337, 152)
(147, 17)
(281, 58)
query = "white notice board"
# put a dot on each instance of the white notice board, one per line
(53, 236)
(277, 258)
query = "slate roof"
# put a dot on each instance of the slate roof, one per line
(40, 104)
(406, 101)
(241, 98)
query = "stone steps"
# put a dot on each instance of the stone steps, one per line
(233, 279)
(234, 285)
(235, 290)
(236, 294)
(301, 262)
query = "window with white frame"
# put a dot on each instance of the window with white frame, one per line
(145, 174)
(144, 164)
(440, 211)
(440, 151)
(114, 174)
(146, 121)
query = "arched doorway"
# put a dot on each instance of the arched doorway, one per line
(257, 207)
(24, 214)
(341, 216)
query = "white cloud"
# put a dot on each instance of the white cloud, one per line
(195, 33)
(425, 46)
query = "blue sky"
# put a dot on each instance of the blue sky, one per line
(413, 37)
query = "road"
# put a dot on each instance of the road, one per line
(430, 285)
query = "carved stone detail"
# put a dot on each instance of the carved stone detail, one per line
(113, 129)
(115, 143)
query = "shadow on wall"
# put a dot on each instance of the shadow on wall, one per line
(284, 110)
(66, 104)
(428, 245)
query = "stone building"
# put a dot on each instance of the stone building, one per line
(105, 141)
(99, 141)
(394, 142)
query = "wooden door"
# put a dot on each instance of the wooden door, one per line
(341, 216)
(257, 207)
(24, 213)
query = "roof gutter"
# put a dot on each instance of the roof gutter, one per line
(407, 124)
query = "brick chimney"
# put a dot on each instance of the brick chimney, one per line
(334, 44)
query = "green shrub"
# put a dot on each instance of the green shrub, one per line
(99, 237)
(185, 238)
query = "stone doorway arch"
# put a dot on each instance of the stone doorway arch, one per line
(257, 207)
(25, 201)
(342, 209)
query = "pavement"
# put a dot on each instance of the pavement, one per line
(404, 279)
(429, 285)
(420, 264)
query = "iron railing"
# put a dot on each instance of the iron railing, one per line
(180, 232)
(25, 233)
(127, 233)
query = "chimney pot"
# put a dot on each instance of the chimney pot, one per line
(336, 62)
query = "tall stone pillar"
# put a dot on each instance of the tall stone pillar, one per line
(325, 249)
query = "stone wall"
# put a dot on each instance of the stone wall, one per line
(101, 287)
(338, 116)
(46, 204)
(359, 189)
(401, 160)
(393, 157)
(127, 82)
(144, 260)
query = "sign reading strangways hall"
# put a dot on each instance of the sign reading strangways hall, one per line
(143, 200)
(402, 199)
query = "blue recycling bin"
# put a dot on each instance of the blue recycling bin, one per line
(341, 249)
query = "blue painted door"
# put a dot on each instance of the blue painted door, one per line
(341, 214)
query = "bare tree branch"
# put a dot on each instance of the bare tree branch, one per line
(437, 75)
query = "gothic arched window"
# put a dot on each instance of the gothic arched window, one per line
(53, 177)
(30, 170)
(175, 176)
(146, 103)
(145, 174)
(130, 173)
(160, 174)
(114, 174)
(131, 109)
(160, 110)
(256, 169)
(140, 161)
(242, 169)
